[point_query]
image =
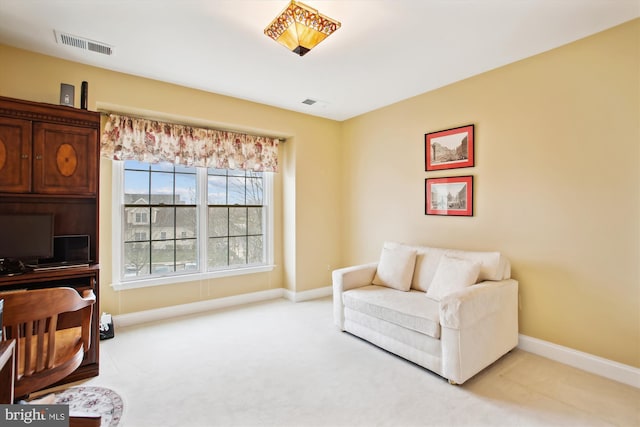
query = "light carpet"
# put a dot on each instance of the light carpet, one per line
(280, 363)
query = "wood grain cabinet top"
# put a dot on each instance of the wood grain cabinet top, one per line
(48, 149)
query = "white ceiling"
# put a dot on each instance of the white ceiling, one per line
(385, 51)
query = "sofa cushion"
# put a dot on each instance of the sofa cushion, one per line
(426, 264)
(407, 309)
(391, 331)
(452, 275)
(491, 263)
(395, 268)
(427, 260)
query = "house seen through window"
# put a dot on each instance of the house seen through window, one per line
(181, 220)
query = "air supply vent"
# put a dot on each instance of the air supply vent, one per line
(83, 43)
(309, 101)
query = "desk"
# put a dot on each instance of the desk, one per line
(7, 365)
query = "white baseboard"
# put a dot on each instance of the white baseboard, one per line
(145, 316)
(308, 295)
(587, 362)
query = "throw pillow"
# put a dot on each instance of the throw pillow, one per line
(427, 261)
(395, 268)
(490, 263)
(452, 275)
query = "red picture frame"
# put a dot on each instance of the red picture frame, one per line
(449, 149)
(451, 196)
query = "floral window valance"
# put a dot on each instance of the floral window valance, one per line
(152, 141)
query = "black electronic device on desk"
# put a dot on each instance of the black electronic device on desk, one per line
(24, 238)
(68, 251)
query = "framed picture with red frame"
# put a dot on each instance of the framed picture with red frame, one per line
(449, 149)
(452, 196)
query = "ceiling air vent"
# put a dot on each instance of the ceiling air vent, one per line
(309, 101)
(83, 43)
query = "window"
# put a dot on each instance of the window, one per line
(139, 236)
(235, 215)
(141, 218)
(180, 221)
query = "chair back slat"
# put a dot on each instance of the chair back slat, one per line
(27, 333)
(51, 342)
(40, 338)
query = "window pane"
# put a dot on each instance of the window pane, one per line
(162, 257)
(136, 224)
(237, 250)
(186, 254)
(136, 187)
(186, 222)
(185, 189)
(256, 251)
(217, 190)
(254, 221)
(161, 188)
(162, 223)
(218, 222)
(254, 191)
(136, 259)
(217, 253)
(236, 191)
(237, 221)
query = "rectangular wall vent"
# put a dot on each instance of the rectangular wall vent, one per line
(83, 43)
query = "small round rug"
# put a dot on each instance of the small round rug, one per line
(100, 400)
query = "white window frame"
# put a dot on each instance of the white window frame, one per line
(117, 224)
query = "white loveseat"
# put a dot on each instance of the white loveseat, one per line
(453, 312)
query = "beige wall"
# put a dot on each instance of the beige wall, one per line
(556, 185)
(305, 190)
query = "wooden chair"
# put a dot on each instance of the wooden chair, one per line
(44, 353)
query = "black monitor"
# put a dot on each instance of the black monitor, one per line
(26, 236)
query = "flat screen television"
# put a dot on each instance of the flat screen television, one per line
(26, 236)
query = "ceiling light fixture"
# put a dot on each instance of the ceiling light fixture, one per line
(300, 28)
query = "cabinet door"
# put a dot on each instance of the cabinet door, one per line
(65, 159)
(15, 155)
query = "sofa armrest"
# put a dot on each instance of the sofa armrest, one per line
(479, 324)
(353, 277)
(349, 278)
(472, 304)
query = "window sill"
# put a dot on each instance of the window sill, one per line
(183, 278)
